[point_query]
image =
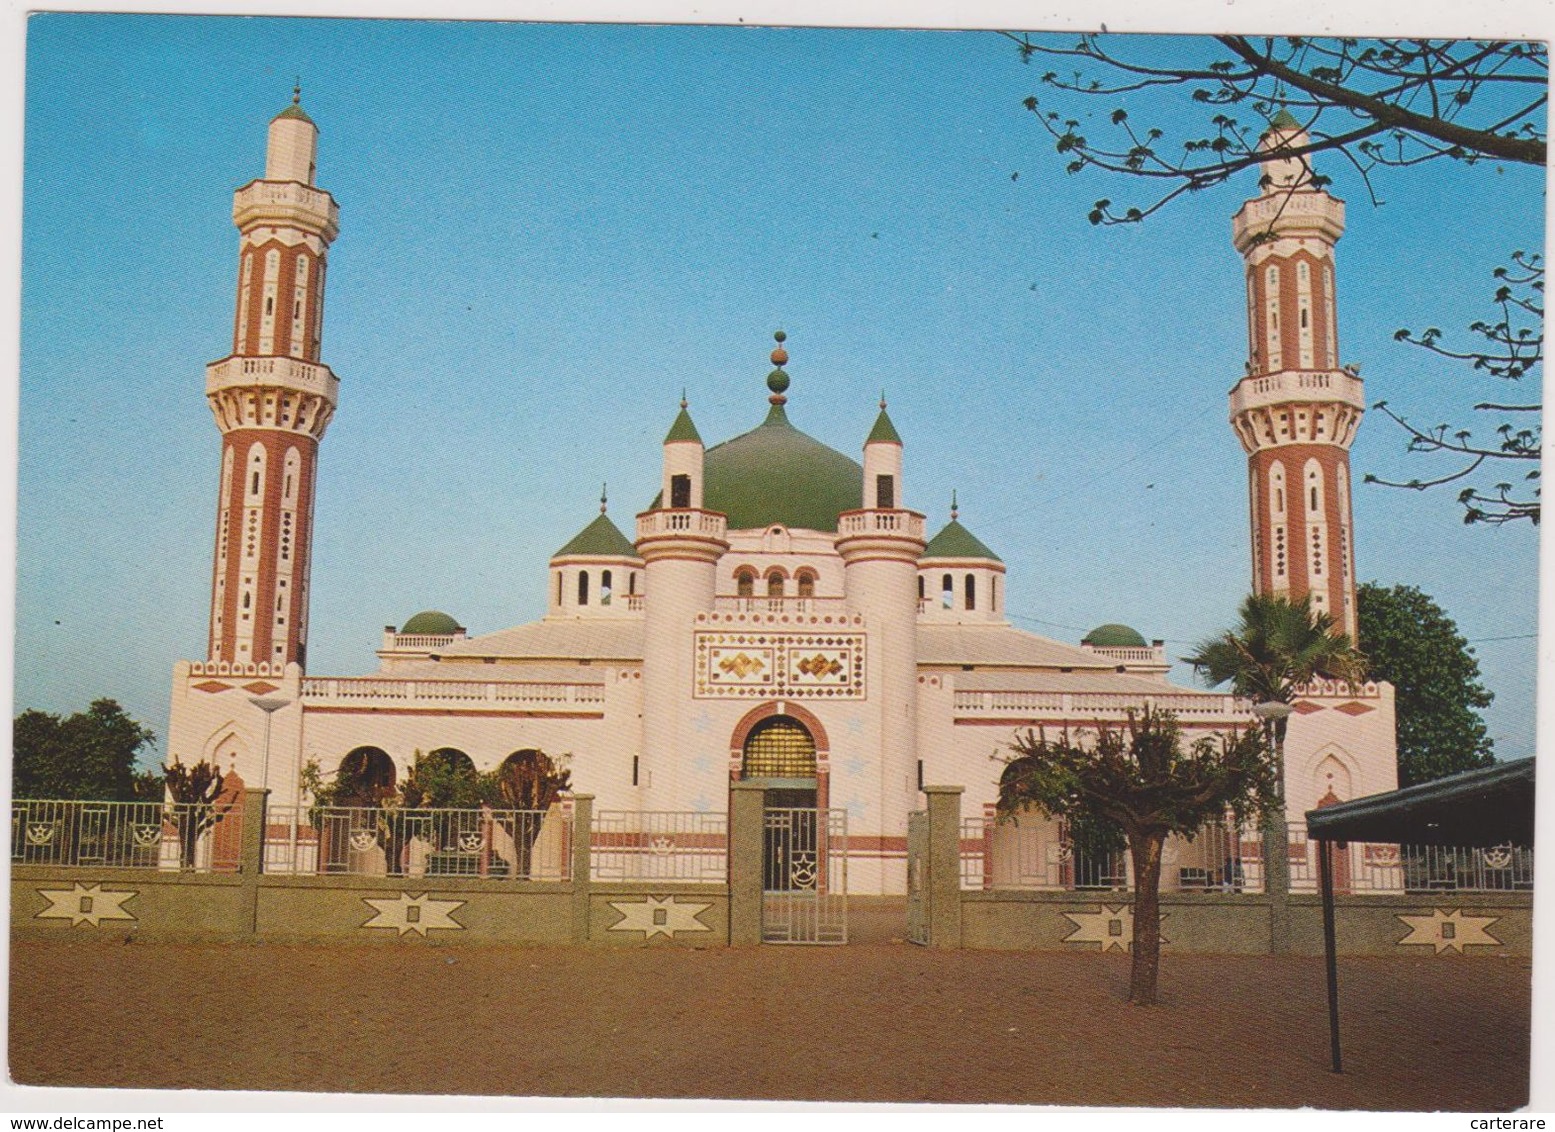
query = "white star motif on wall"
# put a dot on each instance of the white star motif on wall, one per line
(85, 904)
(406, 913)
(701, 764)
(854, 766)
(701, 805)
(1449, 931)
(855, 807)
(854, 724)
(659, 916)
(703, 721)
(1109, 927)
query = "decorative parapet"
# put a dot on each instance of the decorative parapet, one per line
(1339, 689)
(227, 668)
(1308, 213)
(780, 605)
(286, 202)
(361, 692)
(1097, 705)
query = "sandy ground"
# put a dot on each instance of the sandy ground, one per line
(872, 1021)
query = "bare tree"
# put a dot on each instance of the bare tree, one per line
(1379, 104)
(1512, 347)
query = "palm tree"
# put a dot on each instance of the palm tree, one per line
(1277, 646)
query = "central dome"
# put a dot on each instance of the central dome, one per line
(776, 474)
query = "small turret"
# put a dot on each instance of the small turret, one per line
(598, 573)
(882, 464)
(1282, 174)
(683, 453)
(294, 142)
(959, 578)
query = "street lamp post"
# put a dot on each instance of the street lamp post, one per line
(1276, 834)
(269, 705)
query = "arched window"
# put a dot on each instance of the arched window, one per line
(920, 587)
(604, 587)
(745, 583)
(947, 592)
(774, 583)
(971, 591)
(806, 582)
(779, 747)
(631, 584)
(993, 594)
(558, 587)
(583, 587)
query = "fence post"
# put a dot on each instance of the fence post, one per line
(944, 879)
(251, 862)
(747, 815)
(582, 867)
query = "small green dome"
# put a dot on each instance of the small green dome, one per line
(1284, 120)
(294, 111)
(600, 539)
(1114, 636)
(955, 541)
(431, 623)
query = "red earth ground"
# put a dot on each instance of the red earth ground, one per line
(880, 1021)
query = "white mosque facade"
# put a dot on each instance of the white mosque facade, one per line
(779, 613)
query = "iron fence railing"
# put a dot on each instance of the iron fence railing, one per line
(681, 846)
(1036, 853)
(400, 841)
(1359, 866)
(198, 837)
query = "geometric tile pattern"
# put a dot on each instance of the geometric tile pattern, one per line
(659, 916)
(1449, 931)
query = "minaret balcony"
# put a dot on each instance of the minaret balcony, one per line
(291, 374)
(1294, 387)
(1302, 213)
(286, 202)
(880, 521)
(682, 522)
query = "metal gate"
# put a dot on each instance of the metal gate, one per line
(917, 866)
(805, 876)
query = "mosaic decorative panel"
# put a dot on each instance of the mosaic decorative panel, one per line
(779, 665)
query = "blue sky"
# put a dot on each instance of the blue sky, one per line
(547, 231)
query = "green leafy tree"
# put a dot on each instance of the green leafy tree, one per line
(1415, 646)
(1375, 106)
(1142, 780)
(88, 755)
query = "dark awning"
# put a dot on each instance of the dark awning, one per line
(1490, 806)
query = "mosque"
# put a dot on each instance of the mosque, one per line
(779, 612)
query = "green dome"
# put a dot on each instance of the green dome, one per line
(431, 623)
(1114, 636)
(294, 111)
(776, 474)
(600, 539)
(955, 541)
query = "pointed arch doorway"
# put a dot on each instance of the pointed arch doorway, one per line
(804, 862)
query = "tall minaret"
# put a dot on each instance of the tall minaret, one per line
(272, 399)
(1296, 410)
